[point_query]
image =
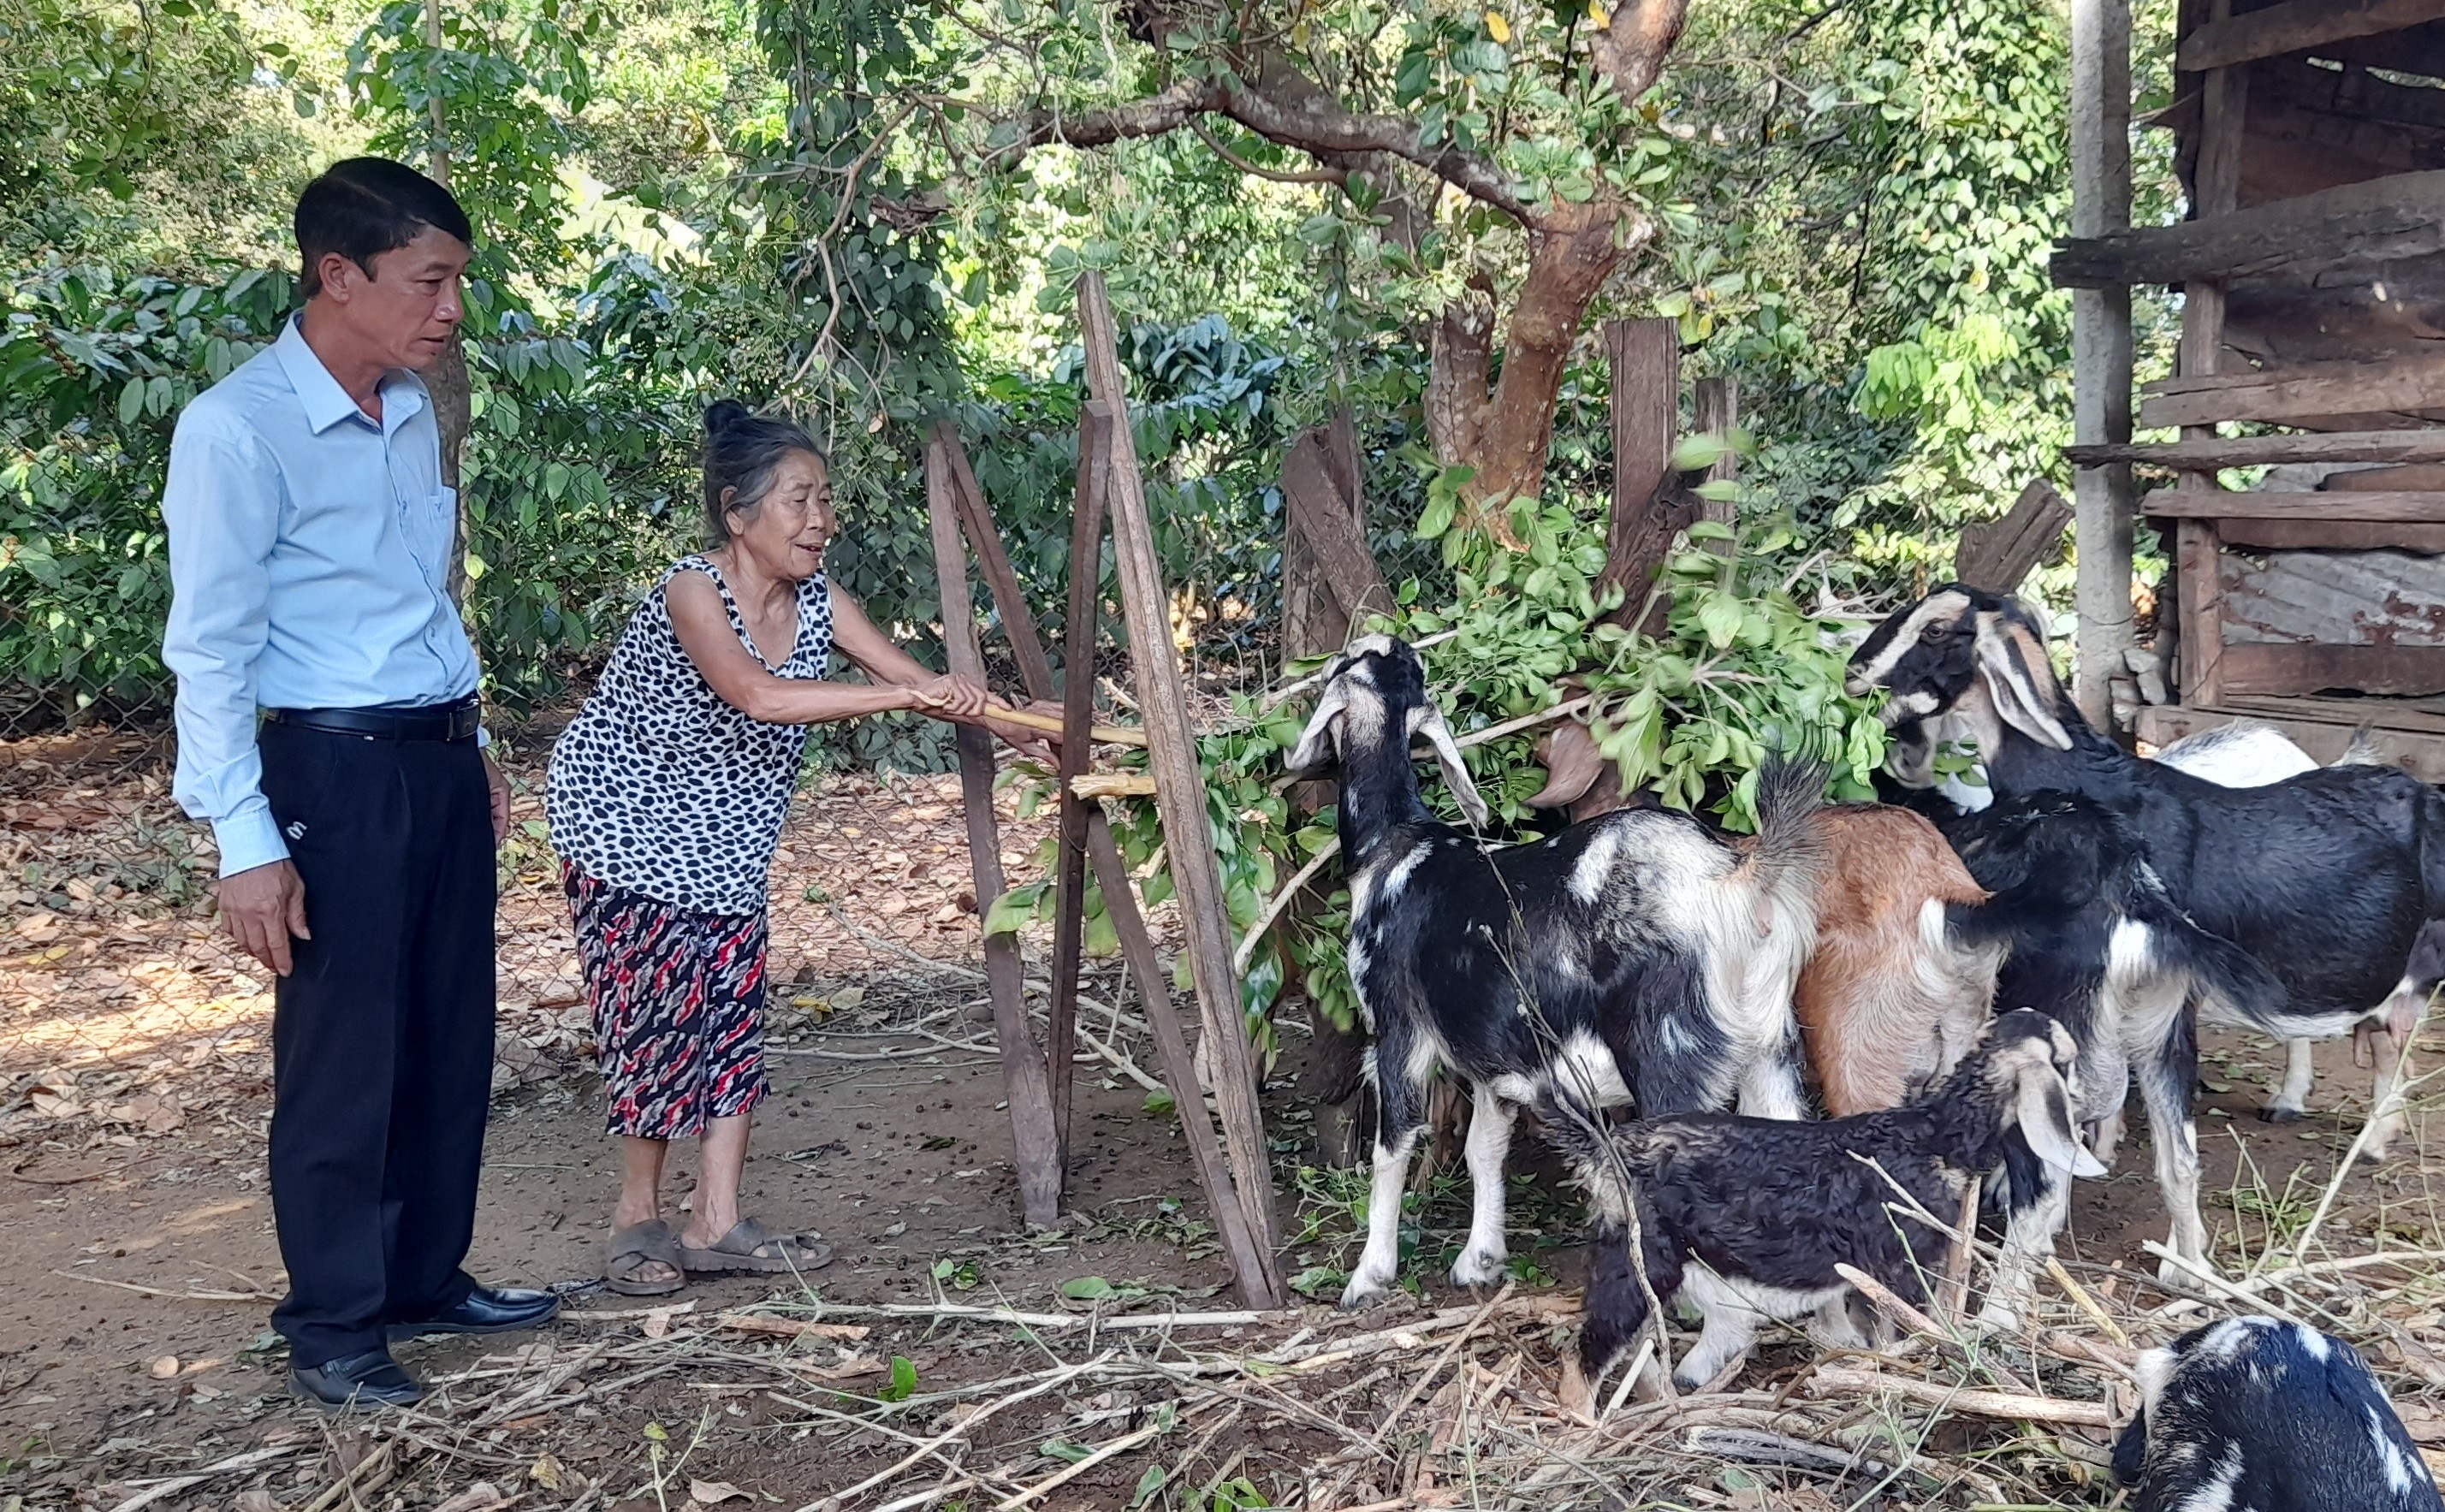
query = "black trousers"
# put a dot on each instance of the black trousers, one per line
(382, 1035)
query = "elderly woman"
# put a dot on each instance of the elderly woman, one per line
(666, 797)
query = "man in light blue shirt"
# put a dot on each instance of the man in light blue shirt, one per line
(327, 728)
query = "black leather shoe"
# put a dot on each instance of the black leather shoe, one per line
(486, 1309)
(356, 1383)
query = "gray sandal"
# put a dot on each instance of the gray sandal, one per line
(637, 1247)
(751, 1246)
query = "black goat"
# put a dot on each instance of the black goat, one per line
(2326, 876)
(2090, 937)
(1747, 1218)
(2258, 1412)
(1633, 959)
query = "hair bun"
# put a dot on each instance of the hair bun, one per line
(725, 414)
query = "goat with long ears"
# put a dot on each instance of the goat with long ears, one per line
(2328, 876)
(1635, 959)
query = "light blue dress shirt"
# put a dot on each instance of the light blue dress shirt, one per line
(310, 553)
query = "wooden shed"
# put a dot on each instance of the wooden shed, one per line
(2311, 145)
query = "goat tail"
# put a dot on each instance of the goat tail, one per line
(2363, 752)
(1791, 848)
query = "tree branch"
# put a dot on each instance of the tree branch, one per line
(1313, 175)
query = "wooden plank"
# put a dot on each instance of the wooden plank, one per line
(1995, 555)
(2389, 670)
(2412, 715)
(2421, 753)
(1035, 1147)
(2202, 596)
(1252, 1265)
(1078, 719)
(1171, 752)
(2331, 535)
(1715, 410)
(2101, 169)
(2380, 221)
(2267, 451)
(2293, 394)
(1328, 525)
(2215, 191)
(985, 537)
(2386, 480)
(2233, 504)
(1646, 359)
(2298, 25)
(2322, 597)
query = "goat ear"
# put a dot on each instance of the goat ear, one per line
(2012, 682)
(2044, 1111)
(1319, 744)
(1428, 721)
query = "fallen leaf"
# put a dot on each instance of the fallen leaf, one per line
(658, 1324)
(257, 1499)
(165, 1367)
(711, 1493)
(547, 1472)
(766, 1323)
(475, 1499)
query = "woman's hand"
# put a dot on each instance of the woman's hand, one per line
(951, 697)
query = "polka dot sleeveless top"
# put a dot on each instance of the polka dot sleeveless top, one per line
(659, 787)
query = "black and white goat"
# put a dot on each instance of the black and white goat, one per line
(2262, 1413)
(2090, 937)
(2326, 876)
(1633, 959)
(1747, 1218)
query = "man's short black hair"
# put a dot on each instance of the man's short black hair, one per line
(363, 207)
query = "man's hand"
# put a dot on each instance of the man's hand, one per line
(1026, 738)
(499, 786)
(262, 906)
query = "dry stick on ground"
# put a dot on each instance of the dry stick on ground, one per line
(1063, 1477)
(1918, 1322)
(2086, 1304)
(2398, 1093)
(959, 1430)
(1836, 1378)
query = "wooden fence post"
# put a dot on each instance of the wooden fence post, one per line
(1092, 839)
(1646, 357)
(1035, 1147)
(1179, 787)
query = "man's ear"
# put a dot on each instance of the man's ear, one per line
(2017, 688)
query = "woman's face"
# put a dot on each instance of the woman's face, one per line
(790, 529)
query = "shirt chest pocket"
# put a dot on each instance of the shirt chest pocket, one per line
(429, 524)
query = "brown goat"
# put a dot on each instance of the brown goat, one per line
(1887, 998)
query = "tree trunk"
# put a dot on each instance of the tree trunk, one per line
(453, 411)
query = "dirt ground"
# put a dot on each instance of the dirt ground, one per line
(137, 1234)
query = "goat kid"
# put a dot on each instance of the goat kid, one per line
(1747, 1218)
(2091, 938)
(2262, 1413)
(2328, 876)
(1634, 958)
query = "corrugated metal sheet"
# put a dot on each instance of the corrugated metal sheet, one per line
(2340, 598)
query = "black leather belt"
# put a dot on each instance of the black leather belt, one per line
(442, 721)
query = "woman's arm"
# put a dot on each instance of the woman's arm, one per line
(882, 659)
(743, 684)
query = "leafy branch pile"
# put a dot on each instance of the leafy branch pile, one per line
(1740, 672)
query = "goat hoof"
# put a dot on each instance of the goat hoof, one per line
(2280, 1116)
(1997, 1317)
(2372, 1157)
(2180, 1276)
(1361, 1293)
(1474, 1270)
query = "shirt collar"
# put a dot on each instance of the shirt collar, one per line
(326, 403)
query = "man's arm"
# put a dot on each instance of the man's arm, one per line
(222, 509)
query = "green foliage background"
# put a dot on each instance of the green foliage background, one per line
(814, 205)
